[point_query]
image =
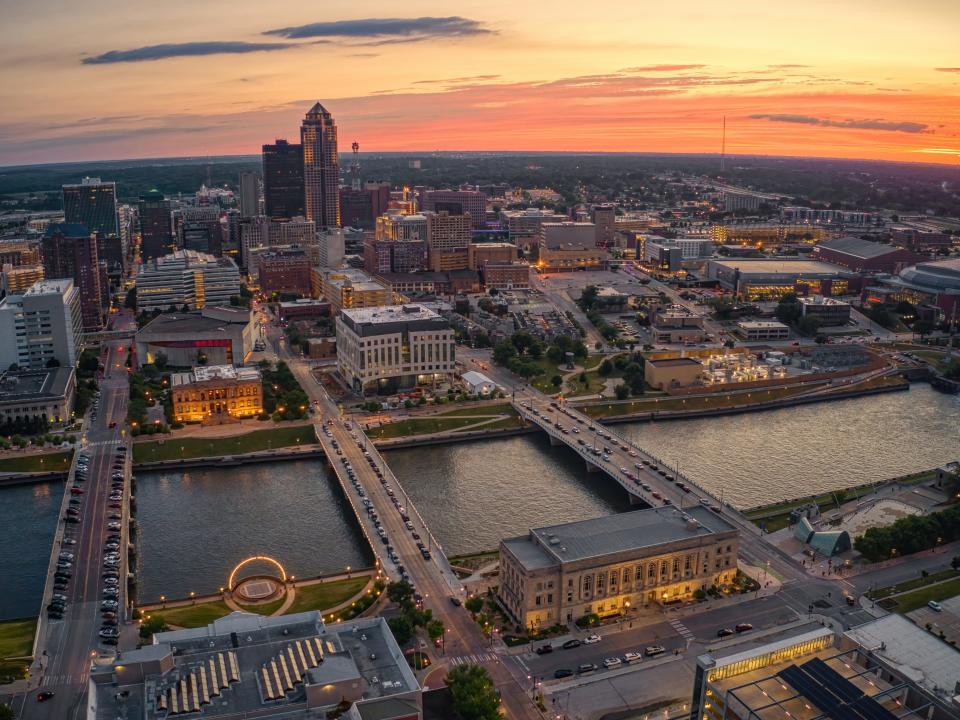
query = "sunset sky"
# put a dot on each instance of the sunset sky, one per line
(102, 79)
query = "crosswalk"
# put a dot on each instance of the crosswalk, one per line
(63, 679)
(473, 659)
(681, 629)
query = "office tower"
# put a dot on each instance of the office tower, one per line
(186, 277)
(458, 202)
(605, 219)
(321, 171)
(200, 229)
(156, 226)
(249, 194)
(70, 251)
(448, 237)
(330, 245)
(283, 180)
(92, 203)
(43, 324)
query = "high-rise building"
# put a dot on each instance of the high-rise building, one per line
(70, 251)
(394, 256)
(156, 226)
(331, 248)
(283, 193)
(200, 229)
(186, 277)
(321, 170)
(249, 194)
(605, 219)
(92, 203)
(448, 237)
(458, 202)
(43, 324)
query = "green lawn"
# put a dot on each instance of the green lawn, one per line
(321, 596)
(913, 584)
(16, 641)
(37, 463)
(918, 598)
(420, 426)
(501, 424)
(271, 438)
(193, 616)
(266, 609)
(473, 411)
(699, 402)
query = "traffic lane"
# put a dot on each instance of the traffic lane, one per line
(768, 611)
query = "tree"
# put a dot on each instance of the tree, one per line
(522, 341)
(400, 592)
(922, 328)
(556, 381)
(622, 391)
(473, 693)
(435, 629)
(606, 367)
(53, 363)
(955, 563)
(160, 360)
(588, 298)
(788, 309)
(6, 712)
(503, 352)
(808, 325)
(130, 301)
(401, 628)
(474, 604)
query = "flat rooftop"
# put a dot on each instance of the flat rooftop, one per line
(760, 324)
(389, 314)
(674, 362)
(597, 537)
(27, 385)
(49, 287)
(748, 266)
(214, 372)
(855, 247)
(187, 324)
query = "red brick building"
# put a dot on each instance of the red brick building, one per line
(285, 272)
(863, 256)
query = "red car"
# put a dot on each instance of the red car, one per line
(45, 695)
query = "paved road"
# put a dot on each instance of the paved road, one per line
(463, 636)
(66, 645)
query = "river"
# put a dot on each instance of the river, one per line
(195, 525)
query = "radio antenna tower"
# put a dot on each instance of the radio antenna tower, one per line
(355, 166)
(723, 146)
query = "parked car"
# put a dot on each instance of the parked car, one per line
(743, 627)
(585, 668)
(544, 649)
(562, 673)
(724, 632)
(935, 606)
(570, 644)
(652, 650)
(591, 639)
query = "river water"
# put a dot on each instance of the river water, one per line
(195, 525)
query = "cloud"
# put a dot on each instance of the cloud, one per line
(190, 49)
(387, 30)
(785, 66)
(467, 79)
(953, 70)
(662, 68)
(866, 124)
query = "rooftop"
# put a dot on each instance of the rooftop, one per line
(50, 287)
(856, 247)
(389, 314)
(70, 230)
(627, 531)
(214, 372)
(673, 362)
(757, 266)
(27, 385)
(192, 323)
(760, 324)
(821, 300)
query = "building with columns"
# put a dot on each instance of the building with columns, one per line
(611, 565)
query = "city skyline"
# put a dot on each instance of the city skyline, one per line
(873, 81)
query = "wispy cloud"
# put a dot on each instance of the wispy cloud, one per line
(467, 79)
(662, 68)
(190, 49)
(786, 66)
(953, 70)
(866, 124)
(387, 30)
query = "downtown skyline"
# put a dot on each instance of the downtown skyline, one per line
(870, 81)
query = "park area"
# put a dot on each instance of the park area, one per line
(16, 645)
(173, 448)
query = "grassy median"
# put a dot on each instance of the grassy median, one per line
(173, 448)
(16, 641)
(918, 598)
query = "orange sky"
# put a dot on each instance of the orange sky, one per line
(876, 79)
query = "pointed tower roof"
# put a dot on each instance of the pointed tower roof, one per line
(318, 109)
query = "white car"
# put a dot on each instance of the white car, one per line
(591, 639)
(935, 606)
(632, 657)
(612, 662)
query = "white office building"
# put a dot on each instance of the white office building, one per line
(186, 277)
(383, 349)
(43, 324)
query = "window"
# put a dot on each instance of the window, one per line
(601, 579)
(587, 583)
(639, 574)
(686, 563)
(549, 598)
(536, 601)
(663, 567)
(676, 565)
(651, 570)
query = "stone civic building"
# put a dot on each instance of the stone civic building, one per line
(216, 394)
(611, 565)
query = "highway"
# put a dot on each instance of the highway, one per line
(65, 647)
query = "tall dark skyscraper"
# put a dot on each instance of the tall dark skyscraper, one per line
(69, 250)
(283, 180)
(92, 203)
(156, 226)
(321, 168)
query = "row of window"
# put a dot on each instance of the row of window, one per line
(219, 393)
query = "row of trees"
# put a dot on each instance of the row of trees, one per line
(910, 534)
(282, 395)
(411, 617)
(521, 352)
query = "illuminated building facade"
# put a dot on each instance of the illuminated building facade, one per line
(772, 279)
(216, 393)
(321, 168)
(606, 566)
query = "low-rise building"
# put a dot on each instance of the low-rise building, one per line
(382, 349)
(478, 383)
(506, 275)
(347, 289)
(323, 348)
(216, 394)
(772, 279)
(18, 278)
(523, 226)
(760, 330)
(224, 335)
(885, 669)
(863, 256)
(829, 311)
(676, 324)
(246, 665)
(303, 309)
(482, 253)
(285, 271)
(42, 325)
(37, 395)
(606, 566)
(664, 373)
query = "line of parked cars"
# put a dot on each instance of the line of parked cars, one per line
(112, 546)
